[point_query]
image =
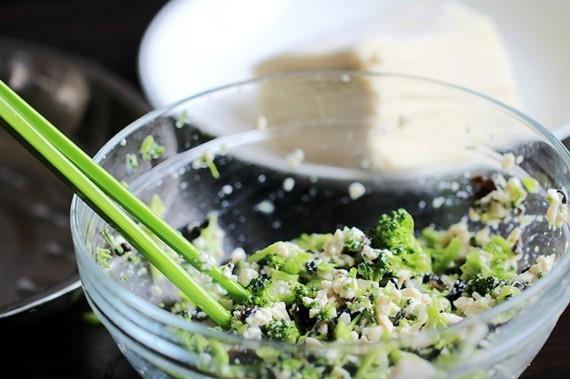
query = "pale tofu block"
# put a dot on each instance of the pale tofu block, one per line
(409, 128)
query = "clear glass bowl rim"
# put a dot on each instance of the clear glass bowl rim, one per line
(555, 276)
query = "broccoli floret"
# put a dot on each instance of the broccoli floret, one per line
(273, 261)
(282, 330)
(342, 331)
(494, 259)
(313, 242)
(354, 241)
(260, 291)
(481, 285)
(374, 271)
(288, 256)
(150, 149)
(395, 232)
(444, 258)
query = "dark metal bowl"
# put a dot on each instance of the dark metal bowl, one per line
(38, 274)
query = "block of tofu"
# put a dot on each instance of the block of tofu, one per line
(463, 48)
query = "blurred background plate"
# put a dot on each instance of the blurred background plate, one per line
(38, 273)
(194, 45)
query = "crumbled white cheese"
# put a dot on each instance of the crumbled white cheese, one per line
(356, 190)
(237, 254)
(508, 161)
(372, 333)
(557, 212)
(543, 264)
(474, 305)
(345, 318)
(295, 158)
(311, 341)
(279, 311)
(323, 329)
(246, 274)
(438, 202)
(451, 318)
(227, 189)
(385, 322)
(265, 206)
(345, 287)
(288, 184)
(260, 317)
(280, 288)
(252, 333)
(412, 367)
(339, 373)
(369, 254)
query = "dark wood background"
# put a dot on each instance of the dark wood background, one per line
(109, 32)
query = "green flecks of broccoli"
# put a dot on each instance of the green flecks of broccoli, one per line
(132, 162)
(300, 291)
(313, 242)
(505, 292)
(354, 241)
(444, 257)
(432, 237)
(114, 243)
(273, 261)
(285, 256)
(395, 231)
(150, 149)
(475, 264)
(282, 330)
(181, 120)
(342, 331)
(495, 259)
(530, 184)
(435, 319)
(328, 312)
(374, 271)
(206, 160)
(91, 319)
(259, 288)
(103, 258)
(482, 285)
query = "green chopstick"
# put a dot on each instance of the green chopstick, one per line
(22, 119)
(114, 189)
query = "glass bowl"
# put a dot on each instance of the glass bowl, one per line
(282, 155)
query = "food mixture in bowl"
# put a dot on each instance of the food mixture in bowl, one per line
(358, 286)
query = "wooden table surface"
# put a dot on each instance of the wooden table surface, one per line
(109, 32)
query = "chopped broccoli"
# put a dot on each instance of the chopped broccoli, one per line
(132, 162)
(395, 231)
(91, 319)
(285, 256)
(273, 261)
(150, 149)
(259, 288)
(103, 257)
(342, 331)
(374, 271)
(482, 285)
(354, 241)
(206, 160)
(444, 257)
(313, 242)
(283, 330)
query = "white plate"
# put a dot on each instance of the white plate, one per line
(193, 45)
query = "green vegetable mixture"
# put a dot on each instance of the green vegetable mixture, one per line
(368, 286)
